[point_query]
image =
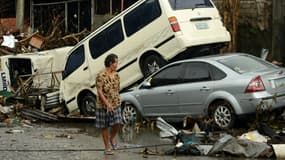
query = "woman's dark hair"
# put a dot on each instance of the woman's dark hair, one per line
(110, 59)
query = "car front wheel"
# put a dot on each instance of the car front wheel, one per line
(223, 115)
(130, 114)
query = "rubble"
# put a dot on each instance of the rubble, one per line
(259, 143)
(38, 115)
(15, 43)
(241, 147)
(193, 139)
(24, 44)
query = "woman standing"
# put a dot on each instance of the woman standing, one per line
(108, 111)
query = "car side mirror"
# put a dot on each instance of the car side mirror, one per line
(146, 84)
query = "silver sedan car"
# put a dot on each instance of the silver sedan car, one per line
(221, 86)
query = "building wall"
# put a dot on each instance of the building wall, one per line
(261, 25)
(7, 25)
(256, 13)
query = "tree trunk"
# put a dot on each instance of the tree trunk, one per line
(230, 12)
(20, 5)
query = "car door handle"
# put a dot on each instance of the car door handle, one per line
(204, 88)
(169, 92)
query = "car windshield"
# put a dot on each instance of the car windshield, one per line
(190, 4)
(245, 64)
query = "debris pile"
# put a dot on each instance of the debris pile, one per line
(263, 142)
(45, 108)
(13, 43)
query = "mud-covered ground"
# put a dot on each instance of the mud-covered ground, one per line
(81, 141)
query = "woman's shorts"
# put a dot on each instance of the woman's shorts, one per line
(104, 119)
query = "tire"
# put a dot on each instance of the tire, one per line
(151, 64)
(276, 114)
(88, 105)
(130, 114)
(223, 115)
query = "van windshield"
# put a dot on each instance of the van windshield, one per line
(190, 4)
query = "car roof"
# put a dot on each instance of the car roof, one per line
(212, 57)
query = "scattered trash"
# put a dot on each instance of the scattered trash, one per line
(147, 152)
(279, 150)
(254, 136)
(12, 122)
(37, 114)
(3, 124)
(241, 147)
(6, 109)
(204, 149)
(9, 41)
(11, 131)
(249, 145)
(49, 136)
(166, 129)
(64, 136)
(196, 129)
(27, 126)
(187, 138)
(264, 53)
(5, 93)
(36, 41)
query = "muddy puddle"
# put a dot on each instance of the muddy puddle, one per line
(82, 141)
(130, 135)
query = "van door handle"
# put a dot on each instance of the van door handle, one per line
(85, 68)
(93, 85)
(204, 88)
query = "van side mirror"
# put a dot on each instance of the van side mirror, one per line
(63, 74)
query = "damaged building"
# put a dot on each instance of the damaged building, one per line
(58, 23)
(74, 15)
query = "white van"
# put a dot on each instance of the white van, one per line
(145, 37)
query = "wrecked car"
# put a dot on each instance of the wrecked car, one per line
(223, 87)
(34, 74)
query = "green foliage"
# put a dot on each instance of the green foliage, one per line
(254, 30)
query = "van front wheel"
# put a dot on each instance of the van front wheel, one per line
(151, 64)
(88, 105)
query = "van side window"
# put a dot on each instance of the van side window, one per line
(74, 60)
(141, 16)
(106, 40)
